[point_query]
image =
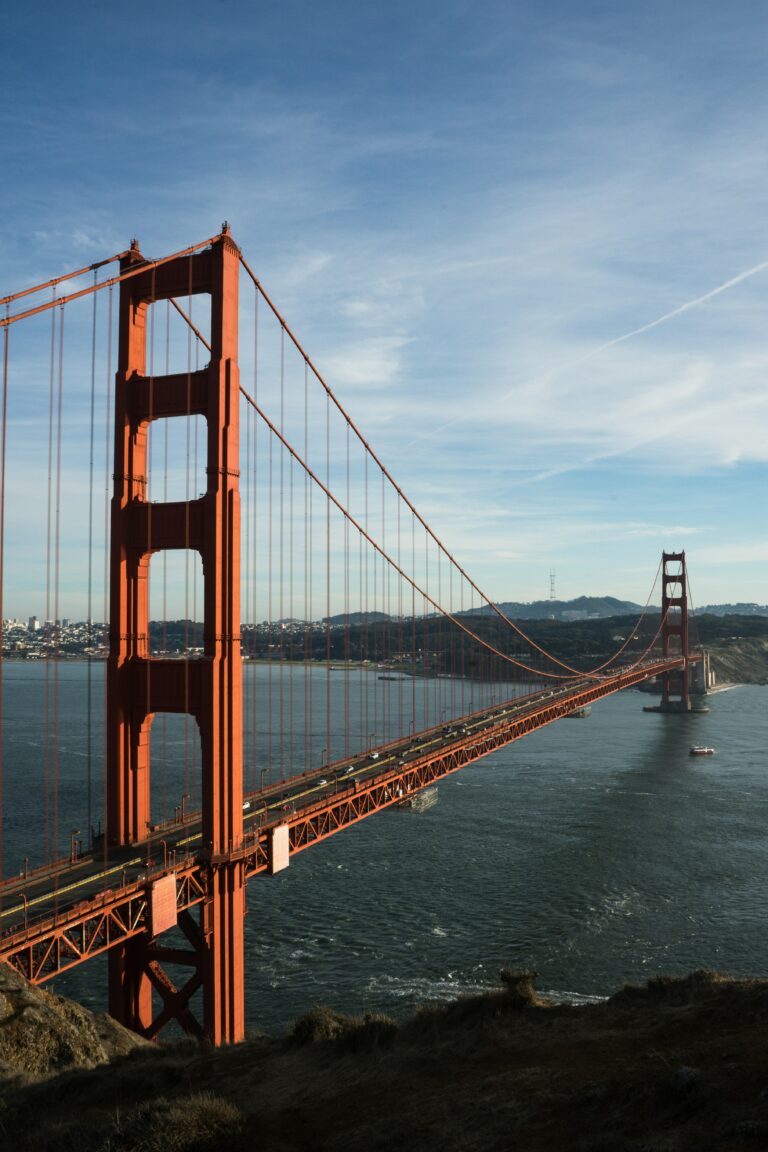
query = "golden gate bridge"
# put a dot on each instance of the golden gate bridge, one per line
(375, 665)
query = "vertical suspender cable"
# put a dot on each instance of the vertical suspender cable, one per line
(365, 608)
(105, 581)
(291, 656)
(425, 655)
(439, 649)
(328, 580)
(89, 688)
(57, 555)
(450, 693)
(2, 563)
(148, 496)
(359, 639)
(307, 598)
(47, 752)
(310, 521)
(399, 504)
(347, 672)
(413, 625)
(462, 650)
(386, 704)
(187, 496)
(270, 620)
(164, 641)
(246, 581)
(375, 630)
(197, 639)
(281, 554)
(256, 568)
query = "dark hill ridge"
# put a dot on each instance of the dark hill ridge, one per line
(733, 610)
(679, 1065)
(582, 607)
(582, 642)
(592, 607)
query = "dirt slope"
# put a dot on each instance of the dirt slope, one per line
(677, 1065)
(741, 661)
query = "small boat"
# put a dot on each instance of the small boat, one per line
(700, 750)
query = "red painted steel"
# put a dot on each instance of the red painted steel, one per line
(210, 688)
(6, 321)
(127, 921)
(674, 634)
(325, 818)
(43, 949)
(163, 912)
(62, 941)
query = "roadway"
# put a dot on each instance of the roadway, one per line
(24, 899)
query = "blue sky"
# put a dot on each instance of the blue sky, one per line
(461, 209)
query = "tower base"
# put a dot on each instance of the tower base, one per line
(676, 707)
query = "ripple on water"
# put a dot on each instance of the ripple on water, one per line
(596, 856)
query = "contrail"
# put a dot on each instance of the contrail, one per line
(734, 280)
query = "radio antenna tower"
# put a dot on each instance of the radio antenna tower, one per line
(551, 585)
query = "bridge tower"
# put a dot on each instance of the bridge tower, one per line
(210, 687)
(675, 694)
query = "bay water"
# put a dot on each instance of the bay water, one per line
(595, 851)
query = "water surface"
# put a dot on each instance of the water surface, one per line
(596, 851)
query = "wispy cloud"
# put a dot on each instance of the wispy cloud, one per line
(508, 242)
(370, 363)
(539, 384)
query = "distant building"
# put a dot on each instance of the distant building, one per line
(33, 624)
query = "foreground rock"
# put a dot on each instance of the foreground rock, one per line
(674, 1066)
(41, 1033)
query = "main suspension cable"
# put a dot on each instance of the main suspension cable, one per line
(574, 672)
(60, 279)
(343, 412)
(128, 274)
(377, 547)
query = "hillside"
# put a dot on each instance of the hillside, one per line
(582, 607)
(742, 661)
(734, 609)
(42, 1034)
(676, 1066)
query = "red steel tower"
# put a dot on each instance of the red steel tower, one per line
(674, 609)
(208, 688)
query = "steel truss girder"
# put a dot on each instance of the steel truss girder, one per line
(340, 810)
(59, 943)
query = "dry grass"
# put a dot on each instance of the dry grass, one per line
(200, 1122)
(41, 1033)
(349, 1033)
(678, 1065)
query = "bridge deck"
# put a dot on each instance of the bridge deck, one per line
(61, 916)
